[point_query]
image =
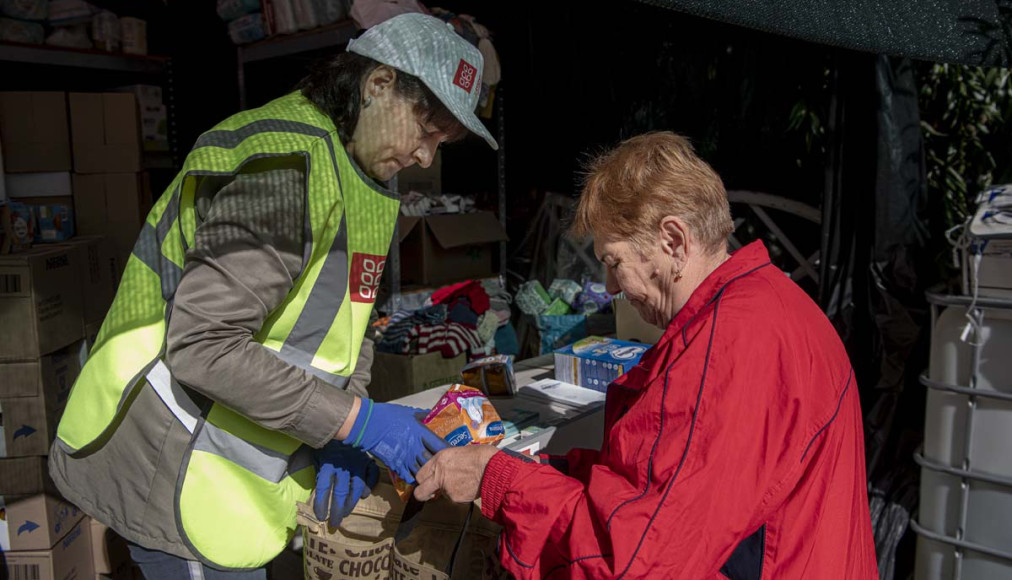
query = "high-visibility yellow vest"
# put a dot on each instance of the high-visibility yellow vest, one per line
(239, 481)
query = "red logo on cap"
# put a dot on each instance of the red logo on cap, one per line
(366, 272)
(466, 75)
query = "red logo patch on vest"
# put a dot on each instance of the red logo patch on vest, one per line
(466, 75)
(366, 273)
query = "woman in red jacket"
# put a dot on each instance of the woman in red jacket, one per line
(733, 450)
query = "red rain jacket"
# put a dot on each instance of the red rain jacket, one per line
(733, 450)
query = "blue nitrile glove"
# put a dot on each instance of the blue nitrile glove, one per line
(343, 476)
(395, 435)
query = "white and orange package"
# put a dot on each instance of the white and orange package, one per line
(463, 416)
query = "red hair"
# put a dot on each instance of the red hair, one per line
(630, 189)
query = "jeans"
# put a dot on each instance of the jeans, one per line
(161, 566)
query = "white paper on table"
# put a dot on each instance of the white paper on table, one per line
(560, 392)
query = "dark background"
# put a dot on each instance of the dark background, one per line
(576, 79)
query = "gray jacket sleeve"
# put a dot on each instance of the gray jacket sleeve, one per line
(247, 254)
(360, 379)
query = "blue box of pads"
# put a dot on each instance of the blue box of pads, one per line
(594, 362)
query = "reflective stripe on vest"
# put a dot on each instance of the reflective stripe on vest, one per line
(238, 478)
(267, 463)
(172, 394)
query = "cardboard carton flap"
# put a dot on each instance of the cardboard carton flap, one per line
(87, 118)
(405, 224)
(120, 114)
(453, 230)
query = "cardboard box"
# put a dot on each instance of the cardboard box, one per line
(34, 131)
(146, 95)
(99, 275)
(25, 476)
(398, 375)
(447, 248)
(153, 116)
(630, 326)
(123, 206)
(34, 378)
(33, 395)
(40, 521)
(134, 33)
(110, 554)
(105, 133)
(423, 180)
(109, 204)
(69, 559)
(90, 337)
(49, 184)
(40, 302)
(594, 362)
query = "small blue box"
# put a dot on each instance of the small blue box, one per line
(594, 362)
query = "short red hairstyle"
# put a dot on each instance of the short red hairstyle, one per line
(630, 189)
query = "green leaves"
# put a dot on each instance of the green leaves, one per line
(966, 119)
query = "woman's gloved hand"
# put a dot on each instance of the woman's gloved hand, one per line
(395, 435)
(344, 475)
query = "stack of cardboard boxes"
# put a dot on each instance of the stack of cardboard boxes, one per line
(52, 301)
(51, 539)
(111, 193)
(75, 159)
(37, 165)
(435, 250)
(53, 298)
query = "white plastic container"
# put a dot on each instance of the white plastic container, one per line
(989, 505)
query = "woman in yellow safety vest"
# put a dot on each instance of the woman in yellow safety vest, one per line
(229, 373)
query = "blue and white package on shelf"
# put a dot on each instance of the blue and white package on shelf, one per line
(594, 362)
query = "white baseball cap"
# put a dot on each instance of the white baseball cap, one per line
(428, 48)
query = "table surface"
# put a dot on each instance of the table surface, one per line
(572, 428)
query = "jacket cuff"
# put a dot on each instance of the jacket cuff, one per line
(499, 475)
(322, 415)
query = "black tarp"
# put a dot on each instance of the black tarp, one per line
(977, 32)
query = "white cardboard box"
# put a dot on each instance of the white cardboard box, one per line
(48, 184)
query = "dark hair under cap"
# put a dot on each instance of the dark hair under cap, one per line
(334, 86)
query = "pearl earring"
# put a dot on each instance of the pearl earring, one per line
(367, 102)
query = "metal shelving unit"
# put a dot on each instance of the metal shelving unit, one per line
(77, 58)
(93, 61)
(338, 34)
(323, 37)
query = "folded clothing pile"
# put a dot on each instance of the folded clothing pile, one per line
(466, 318)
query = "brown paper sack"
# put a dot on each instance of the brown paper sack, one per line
(362, 547)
